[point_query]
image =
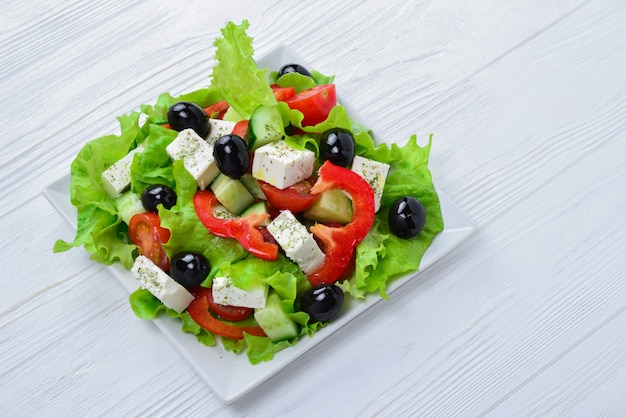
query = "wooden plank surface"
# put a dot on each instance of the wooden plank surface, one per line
(526, 101)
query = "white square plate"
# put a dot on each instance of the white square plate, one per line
(231, 376)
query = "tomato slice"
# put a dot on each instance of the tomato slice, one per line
(198, 309)
(297, 198)
(314, 103)
(146, 232)
(228, 312)
(282, 93)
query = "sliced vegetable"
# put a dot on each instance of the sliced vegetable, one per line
(297, 198)
(228, 312)
(276, 324)
(266, 125)
(282, 93)
(330, 206)
(241, 128)
(243, 229)
(146, 232)
(314, 103)
(339, 243)
(217, 110)
(199, 311)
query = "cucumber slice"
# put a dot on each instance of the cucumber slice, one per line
(266, 125)
(232, 115)
(258, 207)
(128, 205)
(231, 193)
(253, 187)
(331, 206)
(276, 324)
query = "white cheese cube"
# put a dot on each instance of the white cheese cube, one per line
(375, 173)
(280, 165)
(219, 128)
(197, 156)
(297, 241)
(163, 287)
(226, 293)
(116, 178)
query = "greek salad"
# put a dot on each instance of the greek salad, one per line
(250, 209)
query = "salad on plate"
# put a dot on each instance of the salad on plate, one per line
(250, 209)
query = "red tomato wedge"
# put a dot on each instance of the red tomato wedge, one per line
(314, 103)
(199, 312)
(282, 93)
(296, 198)
(146, 232)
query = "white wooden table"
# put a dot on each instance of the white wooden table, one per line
(527, 104)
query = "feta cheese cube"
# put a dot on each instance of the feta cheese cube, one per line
(116, 178)
(218, 128)
(375, 173)
(163, 287)
(226, 293)
(297, 241)
(280, 165)
(197, 156)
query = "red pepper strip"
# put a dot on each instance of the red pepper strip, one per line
(340, 242)
(199, 311)
(217, 108)
(243, 229)
(241, 129)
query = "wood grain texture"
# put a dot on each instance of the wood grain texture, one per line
(526, 101)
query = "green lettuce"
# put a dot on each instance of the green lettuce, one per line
(236, 75)
(99, 226)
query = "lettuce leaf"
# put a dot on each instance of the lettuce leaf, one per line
(236, 75)
(98, 223)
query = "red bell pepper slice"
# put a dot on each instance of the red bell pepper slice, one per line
(339, 243)
(217, 109)
(199, 311)
(243, 229)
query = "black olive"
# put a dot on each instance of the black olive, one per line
(407, 217)
(294, 68)
(231, 155)
(189, 269)
(185, 115)
(157, 194)
(337, 146)
(323, 302)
